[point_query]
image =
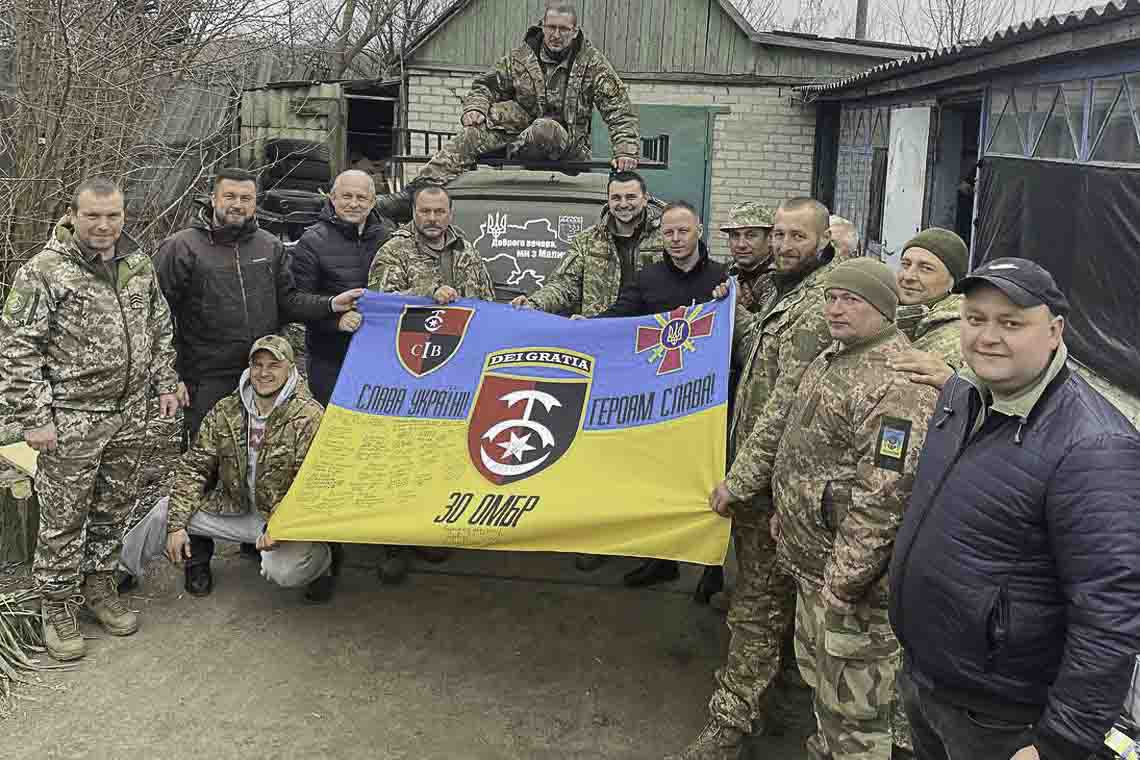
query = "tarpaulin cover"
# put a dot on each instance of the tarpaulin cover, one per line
(1082, 223)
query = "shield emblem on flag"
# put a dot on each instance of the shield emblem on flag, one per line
(521, 426)
(429, 336)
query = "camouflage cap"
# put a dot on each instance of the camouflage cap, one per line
(749, 214)
(275, 345)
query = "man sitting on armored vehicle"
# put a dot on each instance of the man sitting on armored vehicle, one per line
(537, 102)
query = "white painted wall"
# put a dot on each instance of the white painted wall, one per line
(906, 179)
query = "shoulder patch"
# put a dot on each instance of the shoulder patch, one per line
(17, 304)
(402, 233)
(892, 443)
(136, 261)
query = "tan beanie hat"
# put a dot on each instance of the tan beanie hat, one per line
(871, 280)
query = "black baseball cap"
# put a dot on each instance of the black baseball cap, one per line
(1025, 283)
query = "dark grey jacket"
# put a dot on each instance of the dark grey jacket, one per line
(225, 291)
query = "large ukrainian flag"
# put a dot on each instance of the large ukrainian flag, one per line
(477, 425)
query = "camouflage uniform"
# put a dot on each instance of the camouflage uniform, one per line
(753, 287)
(841, 479)
(84, 345)
(211, 495)
(526, 88)
(588, 278)
(406, 265)
(935, 328)
(774, 348)
(211, 476)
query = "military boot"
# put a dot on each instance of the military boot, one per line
(716, 741)
(62, 638)
(101, 600)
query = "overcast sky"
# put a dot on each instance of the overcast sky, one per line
(840, 14)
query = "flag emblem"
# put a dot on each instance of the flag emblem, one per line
(674, 334)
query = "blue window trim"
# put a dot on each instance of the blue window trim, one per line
(1086, 140)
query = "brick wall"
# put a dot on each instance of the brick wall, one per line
(762, 148)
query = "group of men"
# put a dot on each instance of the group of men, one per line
(919, 486)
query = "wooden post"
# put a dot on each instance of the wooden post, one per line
(861, 20)
(19, 517)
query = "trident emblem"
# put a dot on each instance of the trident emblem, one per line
(520, 445)
(496, 225)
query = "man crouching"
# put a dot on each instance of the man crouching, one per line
(248, 451)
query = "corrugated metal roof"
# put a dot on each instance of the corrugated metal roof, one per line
(1018, 33)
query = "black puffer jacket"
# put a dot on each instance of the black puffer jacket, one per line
(1015, 582)
(661, 286)
(331, 257)
(226, 289)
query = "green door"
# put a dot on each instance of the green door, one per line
(690, 150)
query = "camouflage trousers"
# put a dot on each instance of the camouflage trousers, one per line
(850, 662)
(86, 489)
(763, 603)
(542, 140)
(900, 725)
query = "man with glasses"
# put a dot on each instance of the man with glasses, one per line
(538, 102)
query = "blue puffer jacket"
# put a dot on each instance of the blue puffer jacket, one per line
(333, 256)
(1015, 582)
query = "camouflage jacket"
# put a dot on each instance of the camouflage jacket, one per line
(211, 476)
(846, 464)
(935, 329)
(79, 333)
(405, 265)
(754, 288)
(514, 93)
(588, 279)
(772, 350)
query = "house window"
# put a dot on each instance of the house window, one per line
(1058, 137)
(860, 177)
(1085, 120)
(1116, 141)
(1005, 126)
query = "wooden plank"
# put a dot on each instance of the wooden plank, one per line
(648, 40)
(687, 32)
(702, 12)
(667, 32)
(729, 39)
(597, 21)
(480, 15)
(617, 39)
(683, 35)
(713, 39)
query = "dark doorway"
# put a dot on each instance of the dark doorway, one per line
(369, 134)
(954, 168)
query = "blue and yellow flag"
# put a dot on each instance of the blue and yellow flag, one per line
(477, 425)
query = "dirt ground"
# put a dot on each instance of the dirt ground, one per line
(488, 656)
